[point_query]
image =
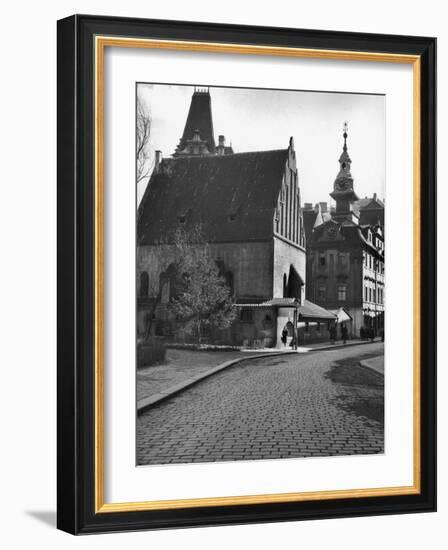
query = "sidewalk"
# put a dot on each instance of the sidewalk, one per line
(338, 344)
(376, 364)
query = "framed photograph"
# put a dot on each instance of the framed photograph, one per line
(246, 274)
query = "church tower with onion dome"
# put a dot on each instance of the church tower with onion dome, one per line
(343, 190)
(345, 254)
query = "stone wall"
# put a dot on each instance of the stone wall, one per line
(250, 263)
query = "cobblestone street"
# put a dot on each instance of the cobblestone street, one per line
(279, 407)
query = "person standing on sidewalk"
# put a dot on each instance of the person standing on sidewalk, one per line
(332, 333)
(344, 333)
(284, 336)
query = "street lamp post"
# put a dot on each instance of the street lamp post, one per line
(296, 330)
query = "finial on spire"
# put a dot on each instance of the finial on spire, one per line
(345, 134)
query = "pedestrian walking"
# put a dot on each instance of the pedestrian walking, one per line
(332, 334)
(344, 333)
(284, 337)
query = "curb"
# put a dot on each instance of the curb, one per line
(147, 402)
(365, 364)
(349, 344)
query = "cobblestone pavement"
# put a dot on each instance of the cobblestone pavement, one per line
(280, 407)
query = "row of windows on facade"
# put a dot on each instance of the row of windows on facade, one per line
(342, 259)
(373, 263)
(370, 294)
(369, 261)
(341, 293)
(374, 295)
(378, 243)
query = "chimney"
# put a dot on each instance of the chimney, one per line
(221, 145)
(308, 206)
(323, 207)
(157, 161)
(374, 196)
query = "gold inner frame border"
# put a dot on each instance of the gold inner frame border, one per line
(101, 42)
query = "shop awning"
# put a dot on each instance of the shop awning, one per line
(312, 312)
(274, 302)
(308, 311)
(341, 315)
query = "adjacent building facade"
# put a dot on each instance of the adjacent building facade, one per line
(345, 253)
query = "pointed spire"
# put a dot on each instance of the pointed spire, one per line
(197, 138)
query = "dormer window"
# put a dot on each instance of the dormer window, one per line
(182, 219)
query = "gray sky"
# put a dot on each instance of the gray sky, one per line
(264, 119)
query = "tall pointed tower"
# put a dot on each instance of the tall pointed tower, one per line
(197, 138)
(343, 192)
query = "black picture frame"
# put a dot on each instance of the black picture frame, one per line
(76, 255)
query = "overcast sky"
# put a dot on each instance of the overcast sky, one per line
(256, 120)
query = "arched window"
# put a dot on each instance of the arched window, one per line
(229, 280)
(144, 283)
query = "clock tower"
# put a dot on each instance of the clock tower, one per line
(343, 192)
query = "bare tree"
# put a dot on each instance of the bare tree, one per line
(143, 156)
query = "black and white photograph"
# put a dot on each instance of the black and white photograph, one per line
(260, 274)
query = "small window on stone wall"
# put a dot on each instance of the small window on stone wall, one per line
(246, 315)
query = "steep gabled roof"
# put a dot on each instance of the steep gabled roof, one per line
(368, 203)
(233, 197)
